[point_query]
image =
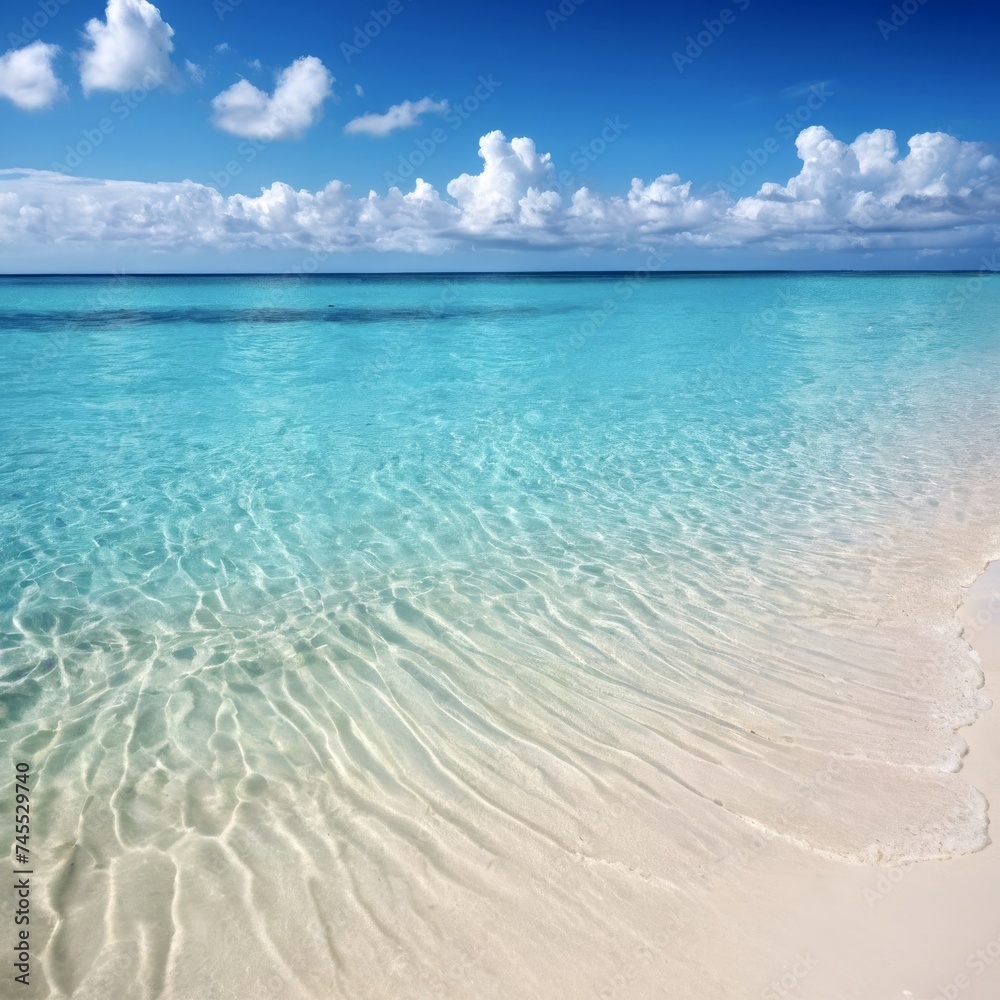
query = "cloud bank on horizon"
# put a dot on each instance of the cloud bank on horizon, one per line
(943, 193)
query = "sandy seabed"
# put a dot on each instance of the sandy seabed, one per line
(665, 881)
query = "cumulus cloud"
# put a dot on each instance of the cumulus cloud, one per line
(399, 116)
(193, 70)
(27, 78)
(849, 193)
(942, 194)
(512, 171)
(130, 48)
(294, 106)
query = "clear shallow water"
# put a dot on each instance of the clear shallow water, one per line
(396, 624)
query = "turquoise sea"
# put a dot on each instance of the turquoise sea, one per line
(366, 635)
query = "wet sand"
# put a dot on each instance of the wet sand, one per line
(790, 924)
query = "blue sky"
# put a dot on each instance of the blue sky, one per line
(597, 85)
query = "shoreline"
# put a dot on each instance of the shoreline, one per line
(794, 925)
(926, 930)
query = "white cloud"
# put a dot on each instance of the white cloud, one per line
(130, 48)
(359, 90)
(403, 115)
(27, 78)
(943, 194)
(255, 64)
(196, 72)
(511, 172)
(294, 106)
(222, 47)
(857, 193)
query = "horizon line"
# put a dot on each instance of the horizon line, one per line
(492, 273)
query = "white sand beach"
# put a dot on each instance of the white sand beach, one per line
(793, 925)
